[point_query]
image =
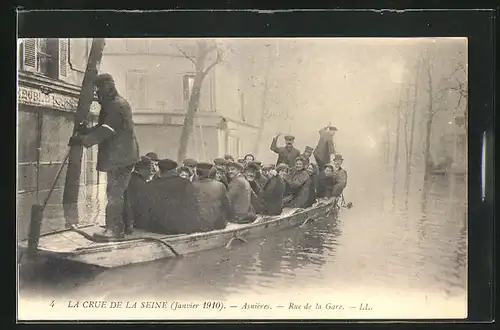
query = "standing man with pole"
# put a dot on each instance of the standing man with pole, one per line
(118, 149)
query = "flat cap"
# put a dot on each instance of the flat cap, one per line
(228, 157)
(241, 161)
(308, 148)
(220, 161)
(338, 157)
(258, 163)
(189, 162)
(289, 137)
(167, 164)
(235, 165)
(204, 166)
(103, 78)
(302, 159)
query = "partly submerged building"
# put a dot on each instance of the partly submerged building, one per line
(50, 72)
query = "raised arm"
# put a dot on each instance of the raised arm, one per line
(274, 145)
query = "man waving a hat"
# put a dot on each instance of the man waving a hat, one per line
(286, 154)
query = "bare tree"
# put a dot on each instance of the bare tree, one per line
(433, 106)
(396, 152)
(409, 155)
(203, 51)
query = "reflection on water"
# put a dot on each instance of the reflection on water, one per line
(374, 246)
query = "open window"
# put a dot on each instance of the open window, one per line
(45, 56)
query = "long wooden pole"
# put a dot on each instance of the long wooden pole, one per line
(72, 184)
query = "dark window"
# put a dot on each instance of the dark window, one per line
(46, 56)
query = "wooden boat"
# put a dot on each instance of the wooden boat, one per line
(142, 246)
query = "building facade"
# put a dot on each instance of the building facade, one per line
(156, 77)
(50, 72)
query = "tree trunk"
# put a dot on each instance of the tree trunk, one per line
(194, 100)
(428, 132)
(72, 183)
(264, 110)
(412, 134)
(396, 156)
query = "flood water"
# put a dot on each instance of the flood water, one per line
(408, 260)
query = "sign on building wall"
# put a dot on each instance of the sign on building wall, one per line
(37, 98)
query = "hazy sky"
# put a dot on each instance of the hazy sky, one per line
(347, 82)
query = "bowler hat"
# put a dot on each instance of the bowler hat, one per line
(152, 156)
(144, 161)
(190, 162)
(167, 164)
(252, 166)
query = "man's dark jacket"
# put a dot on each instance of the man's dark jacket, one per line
(173, 207)
(115, 136)
(271, 195)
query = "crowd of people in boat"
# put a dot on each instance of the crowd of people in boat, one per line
(170, 198)
(159, 195)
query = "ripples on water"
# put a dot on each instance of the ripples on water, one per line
(376, 246)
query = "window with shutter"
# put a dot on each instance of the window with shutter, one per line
(29, 51)
(63, 57)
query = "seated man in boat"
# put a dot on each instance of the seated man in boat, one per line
(153, 156)
(312, 170)
(326, 182)
(251, 172)
(266, 169)
(340, 177)
(172, 203)
(240, 194)
(271, 194)
(219, 171)
(185, 173)
(135, 194)
(298, 185)
(214, 205)
(191, 164)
